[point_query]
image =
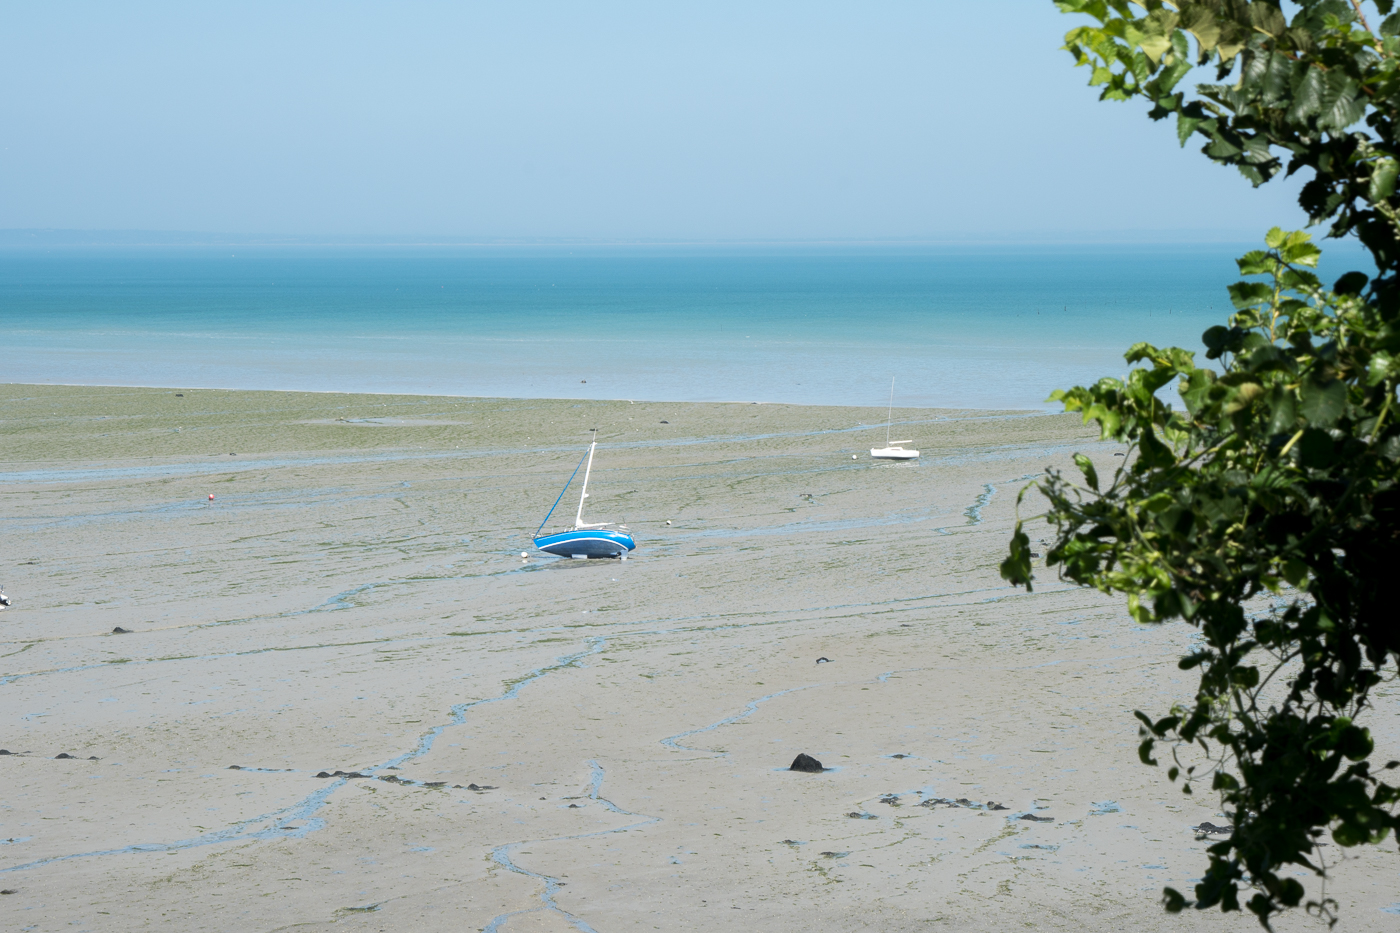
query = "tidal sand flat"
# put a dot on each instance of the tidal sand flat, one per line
(335, 695)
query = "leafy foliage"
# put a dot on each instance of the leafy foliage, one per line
(1267, 513)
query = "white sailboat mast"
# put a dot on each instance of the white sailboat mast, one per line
(889, 414)
(578, 518)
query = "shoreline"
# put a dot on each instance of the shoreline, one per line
(508, 398)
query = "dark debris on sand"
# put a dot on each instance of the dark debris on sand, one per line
(962, 802)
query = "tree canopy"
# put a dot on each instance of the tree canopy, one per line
(1267, 512)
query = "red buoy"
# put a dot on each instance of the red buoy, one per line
(211, 497)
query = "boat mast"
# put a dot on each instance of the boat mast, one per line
(889, 415)
(578, 518)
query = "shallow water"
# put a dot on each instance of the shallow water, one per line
(982, 328)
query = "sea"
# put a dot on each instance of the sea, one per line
(987, 327)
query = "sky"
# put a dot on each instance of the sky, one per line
(606, 121)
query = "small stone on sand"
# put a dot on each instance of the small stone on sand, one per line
(807, 763)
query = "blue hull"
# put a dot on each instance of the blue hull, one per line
(591, 543)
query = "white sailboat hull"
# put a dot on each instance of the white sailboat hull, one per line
(893, 453)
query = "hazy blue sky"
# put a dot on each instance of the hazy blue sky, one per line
(606, 119)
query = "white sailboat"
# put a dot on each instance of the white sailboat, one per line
(892, 449)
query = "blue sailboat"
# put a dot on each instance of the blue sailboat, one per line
(584, 539)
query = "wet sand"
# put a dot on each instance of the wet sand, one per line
(550, 744)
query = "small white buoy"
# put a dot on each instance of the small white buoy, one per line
(668, 523)
(853, 456)
(523, 554)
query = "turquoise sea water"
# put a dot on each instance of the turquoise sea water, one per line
(985, 328)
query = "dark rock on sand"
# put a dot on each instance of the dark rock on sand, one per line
(356, 774)
(900, 756)
(823, 660)
(963, 801)
(5, 751)
(480, 787)
(440, 784)
(807, 763)
(1036, 819)
(323, 774)
(234, 768)
(63, 755)
(891, 799)
(861, 816)
(393, 779)
(1209, 828)
(10, 891)
(574, 806)
(121, 631)
(993, 805)
(93, 758)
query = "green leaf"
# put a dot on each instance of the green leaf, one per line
(1256, 262)
(1321, 404)
(1382, 367)
(1283, 413)
(1382, 184)
(1156, 35)
(1249, 294)
(1298, 250)
(1356, 743)
(1267, 18)
(1308, 97)
(1086, 466)
(1199, 20)
(1349, 834)
(1351, 283)
(1341, 105)
(1016, 569)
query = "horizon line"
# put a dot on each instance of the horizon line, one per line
(57, 237)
